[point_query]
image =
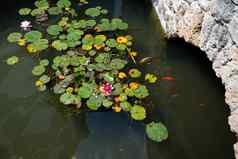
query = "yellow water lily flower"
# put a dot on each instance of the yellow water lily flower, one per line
(117, 109)
(39, 83)
(70, 90)
(122, 75)
(21, 42)
(87, 47)
(98, 47)
(134, 85)
(30, 49)
(122, 40)
(97, 29)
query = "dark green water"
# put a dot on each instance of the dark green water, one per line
(192, 106)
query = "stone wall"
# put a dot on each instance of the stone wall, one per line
(212, 25)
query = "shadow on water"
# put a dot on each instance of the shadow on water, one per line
(192, 105)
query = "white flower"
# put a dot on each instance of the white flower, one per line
(25, 25)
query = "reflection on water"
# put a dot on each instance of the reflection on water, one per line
(192, 106)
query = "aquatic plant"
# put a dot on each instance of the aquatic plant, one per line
(95, 68)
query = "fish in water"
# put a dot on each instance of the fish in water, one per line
(146, 60)
(168, 78)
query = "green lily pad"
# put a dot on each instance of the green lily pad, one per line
(55, 11)
(54, 30)
(75, 35)
(91, 23)
(14, 37)
(156, 131)
(45, 79)
(86, 90)
(67, 98)
(60, 45)
(38, 70)
(118, 64)
(44, 62)
(121, 47)
(99, 39)
(141, 92)
(107, 103)
(37, 11)
(117, 89)
(42, 4)
(63, 3)
(24, 11)
(108, 77)
(12, 60)
(88, 40)
(93, 12)
(33, 36)
(134, 73)
(138, 112)
(40, 45)
(103, 58)
(126, 106)
(94, 102)
(111, 43)
(58, 89)
(151, 78)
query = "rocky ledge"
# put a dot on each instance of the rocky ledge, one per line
(212, 25)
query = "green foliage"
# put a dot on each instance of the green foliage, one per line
(60, 45)
(86, 90)
(63, 3)
(40, 45)
(151, 78)
(138, 112)
(94, 102)
(24, 11)
(141, 92)
(38, 70)
(54, 30)
(12, 60)
(156, 131)
(55, 11)
(93, 12)
(14, 37)
(134, 73)
(88, 67)
(33, 36)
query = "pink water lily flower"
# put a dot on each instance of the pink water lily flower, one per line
(26, 25)
(106, 89)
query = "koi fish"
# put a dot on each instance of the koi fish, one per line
(167, 78)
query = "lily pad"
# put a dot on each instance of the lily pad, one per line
(24, 11)
(54, 30)
(94, 102)
(151, 78)
(63, 3)
(40, 44)
(44, 62)
(138, 112)
(118, 64)
(156, 131)
(67, 98)
(75, 35)
(93, 12)
(45, 79)
(37, 11)
(86, 90)
(33, 36)
(134, 73)
(38, 70)
(107, 103)
(12, 60)
(55, 11)
(60, 45)
(42, 4)
(14, 37)
(141, 92)
(111, 43)
(126, 106)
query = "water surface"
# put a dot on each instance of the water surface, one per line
(192, 106)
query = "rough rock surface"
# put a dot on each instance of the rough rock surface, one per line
(211, 25)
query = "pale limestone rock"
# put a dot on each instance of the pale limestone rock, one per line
(211, 25)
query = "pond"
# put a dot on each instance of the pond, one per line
(33, 125)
